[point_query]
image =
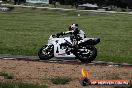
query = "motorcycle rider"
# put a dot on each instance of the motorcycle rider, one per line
(74, 30)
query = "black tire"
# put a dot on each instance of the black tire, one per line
(88, 57)
(45, 56)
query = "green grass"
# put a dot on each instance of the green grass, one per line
(21, 85)
(123, 86)
(60, 80)
(23, 33)
(6, 75)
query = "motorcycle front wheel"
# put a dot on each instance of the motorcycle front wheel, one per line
(87, 53)
(46, 52)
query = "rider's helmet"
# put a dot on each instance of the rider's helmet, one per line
(73, 27)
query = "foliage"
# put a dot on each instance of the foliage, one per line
(6, 75)
(119, 3)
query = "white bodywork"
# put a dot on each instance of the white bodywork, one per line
(61, 51)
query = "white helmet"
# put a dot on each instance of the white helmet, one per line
(73, 27)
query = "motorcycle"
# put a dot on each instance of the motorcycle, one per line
(61, 46)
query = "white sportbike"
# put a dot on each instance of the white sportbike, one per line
(62, 46)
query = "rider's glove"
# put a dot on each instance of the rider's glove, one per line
(62, 33)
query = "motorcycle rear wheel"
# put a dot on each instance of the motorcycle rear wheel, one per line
(46, 53)
(89, 56)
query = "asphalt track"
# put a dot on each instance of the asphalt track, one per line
(62, 61)
(63, 9)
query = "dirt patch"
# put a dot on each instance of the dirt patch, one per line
(39, 72)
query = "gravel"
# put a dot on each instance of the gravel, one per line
(39, 72)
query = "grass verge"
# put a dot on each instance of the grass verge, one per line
(21, 85)
(123, 86)
(24, 31)
(60, 80)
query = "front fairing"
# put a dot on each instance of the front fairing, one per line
(58, 50)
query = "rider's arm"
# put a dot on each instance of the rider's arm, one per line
(68, 32)
(64, 33)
